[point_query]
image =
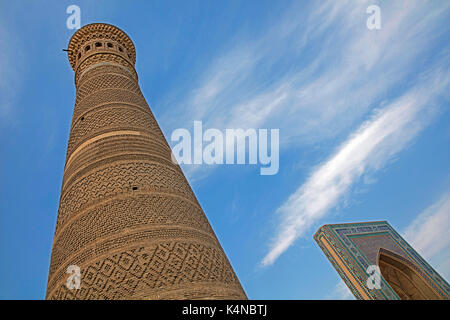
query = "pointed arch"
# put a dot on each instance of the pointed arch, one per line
(403, 277)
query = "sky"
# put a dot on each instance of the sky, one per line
(363, 118)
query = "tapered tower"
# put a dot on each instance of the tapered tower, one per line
(127, 216)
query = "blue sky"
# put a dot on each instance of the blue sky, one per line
(363, 118)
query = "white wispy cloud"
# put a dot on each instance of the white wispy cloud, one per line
(313, 74)
(429, 235)
(365, 151)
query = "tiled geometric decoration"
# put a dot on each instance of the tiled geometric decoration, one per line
(127, 216)
(353, 247)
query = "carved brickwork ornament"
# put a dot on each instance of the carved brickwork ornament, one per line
(127, 216)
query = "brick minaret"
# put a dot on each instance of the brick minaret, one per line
(127, 215)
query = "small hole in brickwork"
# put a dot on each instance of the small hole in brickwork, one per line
(120, 49)
(98, 44)
(109, 44)
(87, 48)
(135, 188)
(79, 55)
(82, 118)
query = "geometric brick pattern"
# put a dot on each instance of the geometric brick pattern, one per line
(127, 215)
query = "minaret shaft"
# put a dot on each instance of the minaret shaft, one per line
(127, 216)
